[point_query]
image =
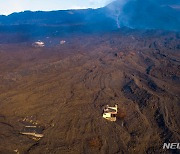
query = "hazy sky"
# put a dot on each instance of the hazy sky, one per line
(9, 6)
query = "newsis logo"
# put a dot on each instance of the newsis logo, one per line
(172, 146)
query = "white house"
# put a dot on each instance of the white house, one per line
(110, 113)
(62, 42)
(39, 44)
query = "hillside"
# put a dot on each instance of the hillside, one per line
(62, 90)
(52, 95)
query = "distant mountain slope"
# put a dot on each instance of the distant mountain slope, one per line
(55, 17)
(62, 21)
(151, 14)
(138, 14)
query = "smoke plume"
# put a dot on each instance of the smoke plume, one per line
(146, 14)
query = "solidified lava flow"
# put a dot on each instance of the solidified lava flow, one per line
(58, 92)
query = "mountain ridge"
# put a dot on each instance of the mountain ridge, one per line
(133, 14)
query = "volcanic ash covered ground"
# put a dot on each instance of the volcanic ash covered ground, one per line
(58, 92)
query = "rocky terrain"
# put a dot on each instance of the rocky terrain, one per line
(60, 90)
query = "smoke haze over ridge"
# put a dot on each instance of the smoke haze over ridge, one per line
(10, 6)
(136, 14)
(149, 14)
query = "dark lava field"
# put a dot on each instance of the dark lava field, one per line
(61, 90)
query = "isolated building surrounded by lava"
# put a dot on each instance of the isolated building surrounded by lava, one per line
(110, 113)
(38, 44)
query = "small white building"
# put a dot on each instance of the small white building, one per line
(39, 44)
(110, 113)
(62, 42)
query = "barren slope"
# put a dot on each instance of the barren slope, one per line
(63, 89)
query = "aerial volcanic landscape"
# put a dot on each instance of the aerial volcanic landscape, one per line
(56, 80)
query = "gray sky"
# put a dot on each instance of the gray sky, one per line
(9, 6)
